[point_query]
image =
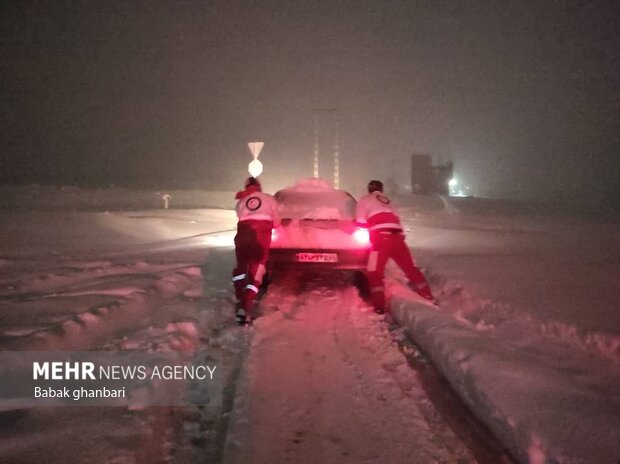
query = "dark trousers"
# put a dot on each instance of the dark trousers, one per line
(386, 245)
(252, 244)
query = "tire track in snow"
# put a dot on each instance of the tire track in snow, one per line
(323, 386)
(86, 280)
(87, 329)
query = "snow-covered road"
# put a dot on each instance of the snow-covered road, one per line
(325, 382)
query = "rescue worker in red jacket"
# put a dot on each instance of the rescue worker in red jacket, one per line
(258, 215)
(376, 212)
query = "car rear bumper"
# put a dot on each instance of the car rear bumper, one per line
(347, 259)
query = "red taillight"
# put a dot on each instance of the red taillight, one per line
(361, 236)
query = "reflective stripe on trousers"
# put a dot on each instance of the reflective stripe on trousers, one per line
(238, 277)
(252, 288)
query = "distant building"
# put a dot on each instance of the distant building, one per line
(428, 179)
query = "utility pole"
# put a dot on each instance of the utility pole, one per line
(336, 139)
(316, 146)
(337, 155)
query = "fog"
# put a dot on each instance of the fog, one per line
(522, 97)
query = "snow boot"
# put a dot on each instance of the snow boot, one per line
(241, 316)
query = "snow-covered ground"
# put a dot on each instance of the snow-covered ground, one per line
(528, 335)
(558, 272)
(529, 328)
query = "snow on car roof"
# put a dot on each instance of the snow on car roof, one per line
(315, 199)
(311, 184)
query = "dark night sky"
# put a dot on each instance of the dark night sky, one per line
(524, 97)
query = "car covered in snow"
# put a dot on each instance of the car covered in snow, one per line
(318, 229)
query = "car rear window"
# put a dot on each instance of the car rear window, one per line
(332, 205)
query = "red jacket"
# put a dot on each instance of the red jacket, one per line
(376, 211)
(254, 205)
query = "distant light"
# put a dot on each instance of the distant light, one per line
(453, 182)
(255, 168)
(274, 235)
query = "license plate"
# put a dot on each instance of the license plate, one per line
(317, 257)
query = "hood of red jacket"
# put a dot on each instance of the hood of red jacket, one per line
(247, 191)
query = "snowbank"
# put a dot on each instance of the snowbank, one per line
(542, 403)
